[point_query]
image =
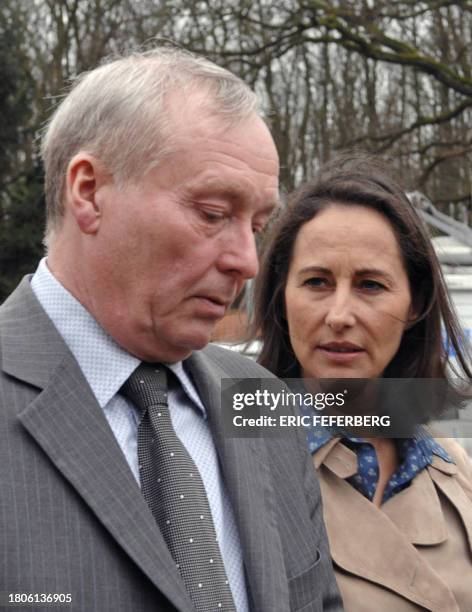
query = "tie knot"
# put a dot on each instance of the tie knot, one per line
(147, 386)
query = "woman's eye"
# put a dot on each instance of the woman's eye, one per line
(316, 282)
(371, 285)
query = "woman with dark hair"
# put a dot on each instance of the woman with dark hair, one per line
(350, 287)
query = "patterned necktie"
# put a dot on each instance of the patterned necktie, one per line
(174, 491)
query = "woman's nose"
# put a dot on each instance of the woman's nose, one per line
(340, 310)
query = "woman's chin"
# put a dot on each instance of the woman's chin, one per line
(339, 372)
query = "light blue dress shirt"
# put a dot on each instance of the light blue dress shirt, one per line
(106, 366)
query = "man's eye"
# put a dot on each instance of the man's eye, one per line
(212, 216)
(371, 285)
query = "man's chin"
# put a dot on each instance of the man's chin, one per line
(178, 349)
(198, 342)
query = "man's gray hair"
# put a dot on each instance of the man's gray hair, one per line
(117, 113)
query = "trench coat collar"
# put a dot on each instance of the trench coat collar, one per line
(379, 544)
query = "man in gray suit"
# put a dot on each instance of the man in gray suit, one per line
(159, 172)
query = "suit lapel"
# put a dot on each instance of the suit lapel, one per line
(248, 480)
(70, 427)
(367, 542)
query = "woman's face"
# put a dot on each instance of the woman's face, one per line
(347, 295)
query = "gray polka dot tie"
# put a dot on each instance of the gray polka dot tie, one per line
(174, 491)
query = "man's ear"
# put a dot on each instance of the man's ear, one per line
(84, 179)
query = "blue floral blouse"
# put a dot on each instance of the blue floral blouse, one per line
(415, 455)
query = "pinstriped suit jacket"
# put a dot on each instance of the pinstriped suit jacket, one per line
(72, 518)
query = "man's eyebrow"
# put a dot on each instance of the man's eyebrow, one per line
(232, 191)
(217, 184)
(270, 208)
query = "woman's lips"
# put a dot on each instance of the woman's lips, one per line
(343, 352)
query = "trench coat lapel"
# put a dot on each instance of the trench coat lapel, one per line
(67, 423)
(417, 513)
(375, 544)
(247, 477)
(445, 477)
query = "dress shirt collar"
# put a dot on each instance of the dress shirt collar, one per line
(105, 364)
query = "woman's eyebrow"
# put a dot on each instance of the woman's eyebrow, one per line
(373, 272)
(360, 272)
(311, 269)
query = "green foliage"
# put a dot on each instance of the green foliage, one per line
(21, 230)
(21, 209)
(15, 93)
(393, 78)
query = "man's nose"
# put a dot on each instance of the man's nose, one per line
(341, 310)
(240, 255)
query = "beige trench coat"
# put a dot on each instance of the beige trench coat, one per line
(415, 553)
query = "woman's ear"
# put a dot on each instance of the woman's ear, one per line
(415, 312)
(84, 178)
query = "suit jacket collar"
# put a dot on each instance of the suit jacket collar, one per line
(31, 347)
